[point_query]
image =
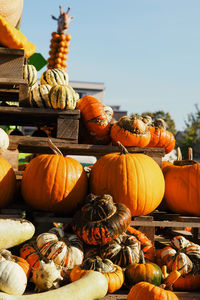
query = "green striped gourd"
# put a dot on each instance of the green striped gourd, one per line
(38, 96)
(30, 73)
(62, 97)
(54, 77)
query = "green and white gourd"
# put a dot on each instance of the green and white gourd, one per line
(62, 97)
(30, 73)
(54, 76)
(38, 96)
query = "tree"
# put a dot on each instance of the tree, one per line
(165, 116)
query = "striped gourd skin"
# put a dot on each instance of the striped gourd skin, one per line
(30, 73)
(122, 251)
(38, 96)
(61, 97)
(54, 76)
(67, 252)
(102, 231)
(31, 255)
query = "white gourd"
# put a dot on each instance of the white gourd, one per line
(4, 141)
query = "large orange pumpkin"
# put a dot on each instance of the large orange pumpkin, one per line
(12, 11)
(7, 182)
(133, 179)
(52, 182)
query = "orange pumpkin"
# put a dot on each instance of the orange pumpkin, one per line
(7, 182)
(130, 131)
(182, 186)
(54, 183)
(133, 179)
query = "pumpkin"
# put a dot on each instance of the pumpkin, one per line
(38, 95)
(12, 11)
(146, 245)
(145, 290)
(64, 250)
(62, 97)
(188, 282)
(13, 279)
(130, 131)
(100, 220)
(113, 273)
(7, 182)
(144, 271)
(4, 141)
(13, 38)
(90, 287)
(122, 251)
(133, 179)
(30, 73)
(61, 183)
(160, 136)
(13, 232)
(182, 186)
(94, 116)
(54, 76)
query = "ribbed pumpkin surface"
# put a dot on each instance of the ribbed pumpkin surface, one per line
(54, 183)
(135, 180)
(7, 182)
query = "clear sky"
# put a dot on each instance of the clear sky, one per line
(146, 52)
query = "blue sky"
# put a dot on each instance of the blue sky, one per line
(146, 52)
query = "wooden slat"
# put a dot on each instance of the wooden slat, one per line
(180, 295)
(12, 81)
(9, 51)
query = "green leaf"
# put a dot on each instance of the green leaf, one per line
(37, 60)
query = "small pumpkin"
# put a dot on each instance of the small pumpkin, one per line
(130, 131)
(144, 271)
(54, 76)
(64, 250)
(4, 141)
(61, 183)
(146, 290)
(100, 220)
(62, 97)
(30, 73)
(113, 273)
(7, 182)
(133, 179)
(182, 186)
(122, 251)
(38, 95)
(31, 254)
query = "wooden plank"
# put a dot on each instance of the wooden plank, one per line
(12, 81)
(164, 224)
(11, 63)
(67, 128)
(9, 51)
(181, 296)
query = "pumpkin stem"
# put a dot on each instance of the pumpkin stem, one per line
(54, 148)
(190, 153)
(179, 154)
(122, 148)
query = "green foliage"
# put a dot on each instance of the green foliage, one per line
(165, 116)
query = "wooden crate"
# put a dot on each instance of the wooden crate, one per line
(11, 63)
(66, 122)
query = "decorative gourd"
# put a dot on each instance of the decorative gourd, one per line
(7, 182)
(13, 232)
(54, 76)
(160, 136)
(61, 183)
(92, 286)
(100, 220)
(144, 271)
(12, 11)
(182, 186)
(4, 141)
(94, 116)
(130, 131)
(30, 253)
(123, 250)
(126, 176)
(64, 250)
(38, 96)
(30, 73)
(113, 273)
(62, 97)
(146, 245)
(13, 279)
(47, 276)
(145, 290)
(13, 38)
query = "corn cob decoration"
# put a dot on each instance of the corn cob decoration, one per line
(59, 43)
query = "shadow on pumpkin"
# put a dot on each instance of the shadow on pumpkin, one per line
(7, 187)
